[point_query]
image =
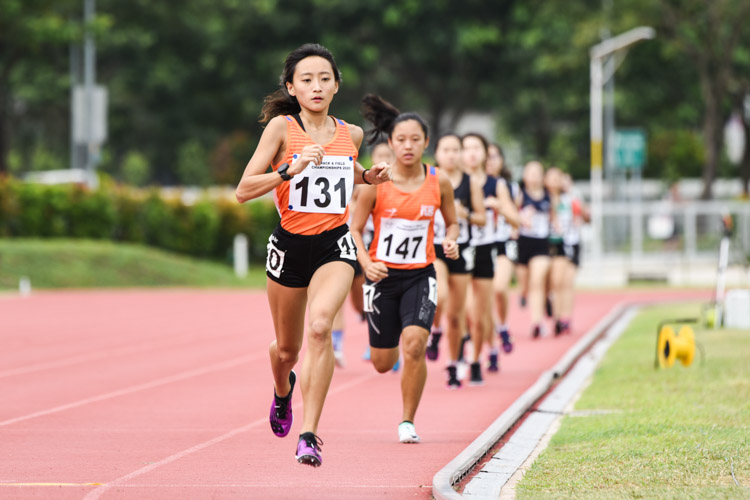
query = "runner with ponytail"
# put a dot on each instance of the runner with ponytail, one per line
(400, 293)
(311, 254)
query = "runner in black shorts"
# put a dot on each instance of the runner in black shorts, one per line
(311, 253)
(474, 155)
(453, 275)
(401, 291)
(533, 246)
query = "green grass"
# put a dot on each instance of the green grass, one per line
(62, 263)
(675, 432)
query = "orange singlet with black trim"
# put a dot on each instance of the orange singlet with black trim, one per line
(404, 223)
(317, 199)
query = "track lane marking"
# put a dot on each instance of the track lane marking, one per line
(98, 492)
(224, 365)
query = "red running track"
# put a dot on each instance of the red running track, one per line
(165, 394)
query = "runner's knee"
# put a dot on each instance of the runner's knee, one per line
(320, 330)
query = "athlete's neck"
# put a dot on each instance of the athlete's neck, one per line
(314, 120)
(408, 172)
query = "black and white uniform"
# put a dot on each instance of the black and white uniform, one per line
(465, 262)
(534, 241)
(483, 237)
(506, 244)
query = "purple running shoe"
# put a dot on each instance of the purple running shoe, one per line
(507, 344)
(308, 449)
(281, 417)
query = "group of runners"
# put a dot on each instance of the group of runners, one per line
(427, 251)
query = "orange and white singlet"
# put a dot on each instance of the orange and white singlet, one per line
(404, 224)
(317, 199)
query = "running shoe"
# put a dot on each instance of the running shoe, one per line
(536, 332)
(281, 417)
(507, 344)
(432, 351)
(462, 370)
(366, 354)
(308, 449)
(396, 366)
(453, 382)
(476, 374)
(493, 366)
(561, 327)
(407, 433)
(523, 301)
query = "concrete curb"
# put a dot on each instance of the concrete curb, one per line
(459, 467)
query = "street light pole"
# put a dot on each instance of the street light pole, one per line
(89, 80)
(598, 54)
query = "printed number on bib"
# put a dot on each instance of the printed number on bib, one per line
(368, 293)
(403, 241)
(325, 188)
(484, 235)
(274, 260)
(347, 247)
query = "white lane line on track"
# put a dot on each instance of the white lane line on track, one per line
(98, 492)
(82, 358)
(224, 365)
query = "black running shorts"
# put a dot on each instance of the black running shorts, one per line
(508, 249)
(528, 248)
(464, 264)
(292, 259)
(484, 264)
(407, 297)
(571, 252)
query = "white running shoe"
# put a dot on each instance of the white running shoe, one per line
(462, 370)
(407, 433)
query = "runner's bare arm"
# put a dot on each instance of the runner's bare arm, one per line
(506, 207)
(448, 209)
(255, 181)
(375, 271)
(477, 215)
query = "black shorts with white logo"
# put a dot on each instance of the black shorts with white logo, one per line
(508, 249)
(464, 264)
(292, 259)
(484, 263)
(407, 297)
(571, 252)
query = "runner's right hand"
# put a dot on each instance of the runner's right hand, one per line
(376, 271)
(313, 153)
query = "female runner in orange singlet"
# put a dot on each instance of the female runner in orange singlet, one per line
(311, 254)
(401, 290)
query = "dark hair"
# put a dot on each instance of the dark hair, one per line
(504, 170)
(378, 142)
(280, 102)
(385, 116)
(482, 140)
(447, 134)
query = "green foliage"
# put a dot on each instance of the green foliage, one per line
(135, 169)
(204, 229)
(192, 165)
(674, 154)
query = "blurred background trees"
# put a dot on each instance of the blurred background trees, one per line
(186, 81)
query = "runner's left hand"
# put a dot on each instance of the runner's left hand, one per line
(450, 248)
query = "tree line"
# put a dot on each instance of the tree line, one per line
(186, 81)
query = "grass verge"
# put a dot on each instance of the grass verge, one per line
(674, 433)
(63, 263)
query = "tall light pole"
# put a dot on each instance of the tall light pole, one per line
(599, 54)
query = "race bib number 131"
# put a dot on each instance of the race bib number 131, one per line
(325, 188)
